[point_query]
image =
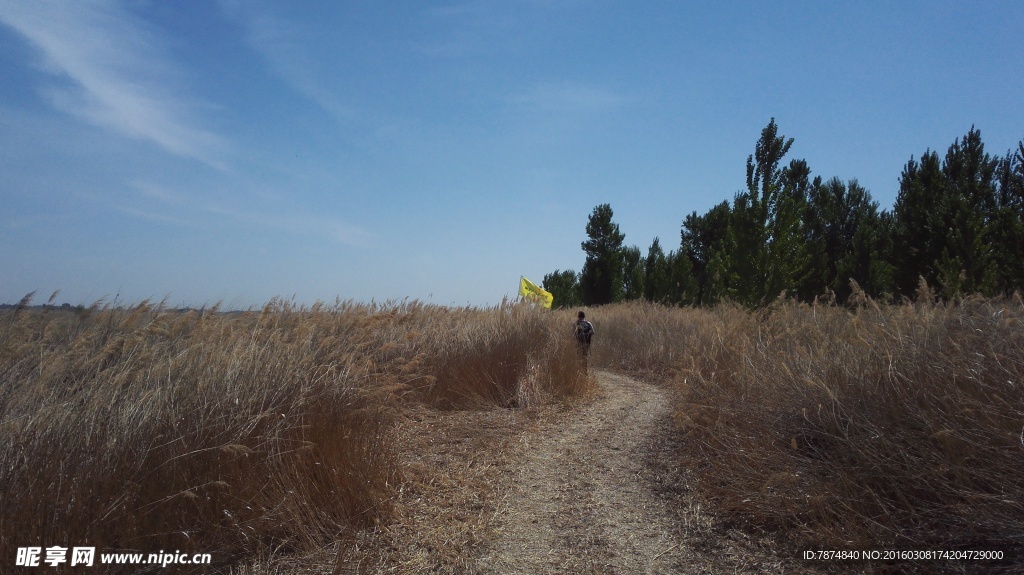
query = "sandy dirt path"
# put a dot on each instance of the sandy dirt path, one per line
(581, 499)
(588, 488)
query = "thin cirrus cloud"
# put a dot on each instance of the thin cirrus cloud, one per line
(118, 74)
(568, 97)
(284, 49)
(173, 207)
(297, 224)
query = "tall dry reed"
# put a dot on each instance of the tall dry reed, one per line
(228, 433)
(509, 355)
(869, 427)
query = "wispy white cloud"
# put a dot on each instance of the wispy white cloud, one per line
(321, 225)
(174, 207)
(120, 74)
(567, 97)
(288, 55)
(147, 215)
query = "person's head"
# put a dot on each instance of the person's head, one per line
(581, 315)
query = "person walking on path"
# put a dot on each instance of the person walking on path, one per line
(583, 331)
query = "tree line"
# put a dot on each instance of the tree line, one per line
(957, 225)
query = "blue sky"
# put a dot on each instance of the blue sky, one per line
(239, 150)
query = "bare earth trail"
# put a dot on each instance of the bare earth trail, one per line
(589, 488)
(581, 499)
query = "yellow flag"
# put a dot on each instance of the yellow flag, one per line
(535, 293)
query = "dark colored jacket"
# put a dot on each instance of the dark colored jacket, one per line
(583, 330)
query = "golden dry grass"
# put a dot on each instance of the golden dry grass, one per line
(342, 429)
(232, 434)
(867, 427)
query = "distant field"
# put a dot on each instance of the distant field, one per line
(273, 430)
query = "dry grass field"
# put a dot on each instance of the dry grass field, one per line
(872, 427)
(376, 438)
(237, 434)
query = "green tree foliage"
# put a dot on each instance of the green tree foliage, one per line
(717, 286)
(847, 239)
(768, 255)
(565, 287)
(705, 240)
(633, 268)
(656, 274)
(966, 265)
(683, 285)
(1008, 222)
(918, 223)
(869, 262)
(958, 221)
(601, 280)
(669, 279)
(787, 249)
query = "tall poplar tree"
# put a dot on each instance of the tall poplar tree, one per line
(768, 255)
(632, 273)
(602, 276)
(656, 274)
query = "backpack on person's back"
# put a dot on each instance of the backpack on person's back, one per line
(584, 330)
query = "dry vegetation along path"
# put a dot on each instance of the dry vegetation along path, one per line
(580, 500)
(590, 488)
